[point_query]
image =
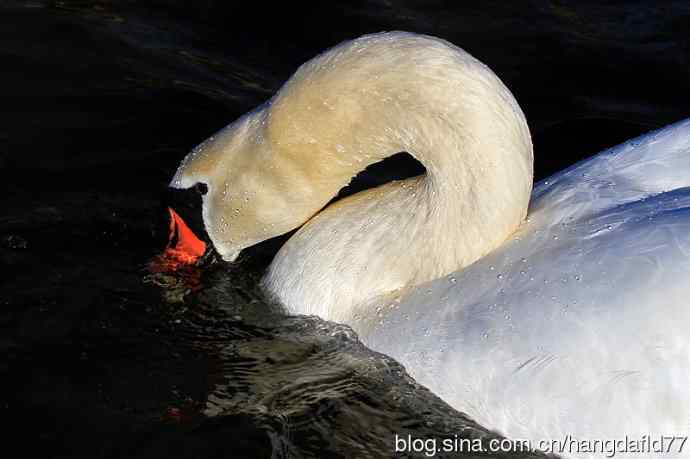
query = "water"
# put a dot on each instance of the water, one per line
(116, 359)
(101, 100)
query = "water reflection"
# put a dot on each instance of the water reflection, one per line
(309, 384)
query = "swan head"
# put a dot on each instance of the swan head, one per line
(259, 177)
(246, 194)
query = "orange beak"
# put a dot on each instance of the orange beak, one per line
(188, 248)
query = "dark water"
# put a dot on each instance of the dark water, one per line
(100, 100)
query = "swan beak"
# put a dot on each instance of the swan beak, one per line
(183, 245)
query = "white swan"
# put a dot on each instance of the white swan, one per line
(573, 323)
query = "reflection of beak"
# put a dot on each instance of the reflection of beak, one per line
(183, 245)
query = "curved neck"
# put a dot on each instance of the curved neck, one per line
(437, 103)
(447, 110)
(356, 104)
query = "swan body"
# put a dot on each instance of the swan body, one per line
(580, 323)
(572, 323)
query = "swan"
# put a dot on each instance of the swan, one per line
(566, 325)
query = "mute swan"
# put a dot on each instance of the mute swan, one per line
(573, 322)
